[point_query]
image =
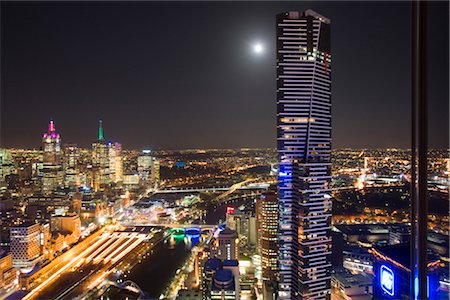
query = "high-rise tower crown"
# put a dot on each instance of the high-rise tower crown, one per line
(51, 131)
(100, 130)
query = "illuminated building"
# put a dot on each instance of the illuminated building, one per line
(243, 223)
(399, 235)
(42, 207)
(210, 268)
(115, 162)
(392, 273)
(70, 165)
(233, 266)
(352, 286)
(223, 285)
(221, 279)
(145, 164)
(228, 244)
(357, 260)
(304, 153)
(267, 225)
(27, 242)
(68, 224)
(6, 166)
(100, 161)
(156, 171)
(131, 181)
(52, 163)
(8, 273)
(189, 295)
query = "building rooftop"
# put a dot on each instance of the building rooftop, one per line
(230, 263)
(24, 225)
(228, 232)
(400, 253)
(307, 13)
(223, 280)
(223, 275)
(351, 229)
(213, 264)
(348, 279)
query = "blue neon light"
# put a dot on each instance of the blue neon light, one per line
(416, 287)
(387, 280)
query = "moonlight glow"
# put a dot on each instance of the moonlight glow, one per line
(258, 48)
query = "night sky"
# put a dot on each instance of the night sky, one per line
(183, 75)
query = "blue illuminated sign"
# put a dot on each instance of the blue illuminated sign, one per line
(387, 280)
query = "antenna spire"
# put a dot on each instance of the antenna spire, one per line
(100, 130)
(51, 126)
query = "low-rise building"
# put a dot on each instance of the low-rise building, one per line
(8, 274)
(351, 286)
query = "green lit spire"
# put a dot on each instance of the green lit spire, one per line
(100, 130)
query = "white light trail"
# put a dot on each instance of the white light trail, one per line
(103, 254)
(57, 273)
(114, 253)
(100, 249)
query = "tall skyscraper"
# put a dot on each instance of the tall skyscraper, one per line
(145, 164)
(100, 160)
(228, 244)
(70, 165)
(304, 151)
(267, 227)
(115, 162)
(52, 163)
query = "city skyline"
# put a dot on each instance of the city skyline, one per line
(76, 85)
(224, 150)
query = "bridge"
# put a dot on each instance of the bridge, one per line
(237, 186)
(129, 286)
(184, 226)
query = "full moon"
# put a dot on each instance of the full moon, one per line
(258, 48)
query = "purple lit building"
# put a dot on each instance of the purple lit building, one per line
(52, 173)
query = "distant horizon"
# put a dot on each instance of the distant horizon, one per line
(214, 149)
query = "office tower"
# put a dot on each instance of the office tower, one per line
(228, 244)
(115, 162)
(244, 224)
(100, 161)
(304, 148)
(6, 165)
(70, 165)
(52, 164)
(156, 171)
(26, 244)
(145, 164)
(267, 228)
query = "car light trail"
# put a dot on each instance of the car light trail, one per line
(114, 253)
(103, 254)
(100, 249)
(60, 271)
(127, 250)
